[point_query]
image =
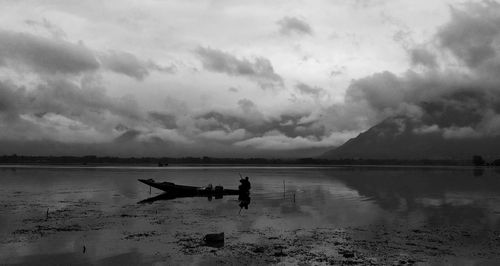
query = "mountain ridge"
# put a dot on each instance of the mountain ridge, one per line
(402, 137)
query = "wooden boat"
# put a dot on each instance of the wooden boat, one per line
(181, 190)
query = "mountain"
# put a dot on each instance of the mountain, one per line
(403, 138)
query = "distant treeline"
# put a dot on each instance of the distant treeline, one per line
(165, 161)
(478, 160)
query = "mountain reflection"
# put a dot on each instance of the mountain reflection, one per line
(449, 196)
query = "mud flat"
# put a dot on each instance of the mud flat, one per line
(84, 232)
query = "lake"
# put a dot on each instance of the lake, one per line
(320, 215)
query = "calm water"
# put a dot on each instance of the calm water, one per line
(100, 201)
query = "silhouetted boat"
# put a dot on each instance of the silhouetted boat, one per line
(186, 191)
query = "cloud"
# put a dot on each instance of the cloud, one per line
(48, 26)
(274, 140)
(441, 98)
(64, 129)
(308, 90)
(56, 56)
(166, 120)
(248, 127)
(62, 110)
(224, 136)
(79, 99)
(247, 117)
(128, 64)
(127, 136)
(380, 91)
(78, 118)
(164, 136)
(445, 99)
(10, 100)
(259, 69)
(426, 129)
(67, 102)
(247, 105)
(460, 133)
(291, 25)
(472, 33)
(45, 55)
(335, 73)
(421, 56)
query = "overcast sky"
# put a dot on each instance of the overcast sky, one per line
(237, 78)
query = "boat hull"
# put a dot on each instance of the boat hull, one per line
(181, 190)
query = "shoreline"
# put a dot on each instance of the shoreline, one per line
(93, 160)
(223, 165)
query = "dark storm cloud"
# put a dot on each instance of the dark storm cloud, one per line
(128, 136)
(9, 100)
(290, 25)
(53, 56)
(457, 102)
(217, 120)
(460, 108)
(390, 94)
(166, 120)
(421, 56)
(63, 110)
(78, 118)
(45, 55)
(75, 99)
(308, 90)
(247, 106)
(255, 124)
(259, 69)
(380, 91)
(128, 64)
(472, 33)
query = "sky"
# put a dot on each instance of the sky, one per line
(240, 78)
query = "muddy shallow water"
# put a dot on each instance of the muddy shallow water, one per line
(340, 215)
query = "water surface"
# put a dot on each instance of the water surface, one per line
(97, 208)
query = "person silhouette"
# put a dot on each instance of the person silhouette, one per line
(245, 184)
(244, 193)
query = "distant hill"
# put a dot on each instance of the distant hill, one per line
(399, 138)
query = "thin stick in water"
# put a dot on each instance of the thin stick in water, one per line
(284, 189)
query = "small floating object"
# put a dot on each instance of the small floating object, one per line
(214, 240)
